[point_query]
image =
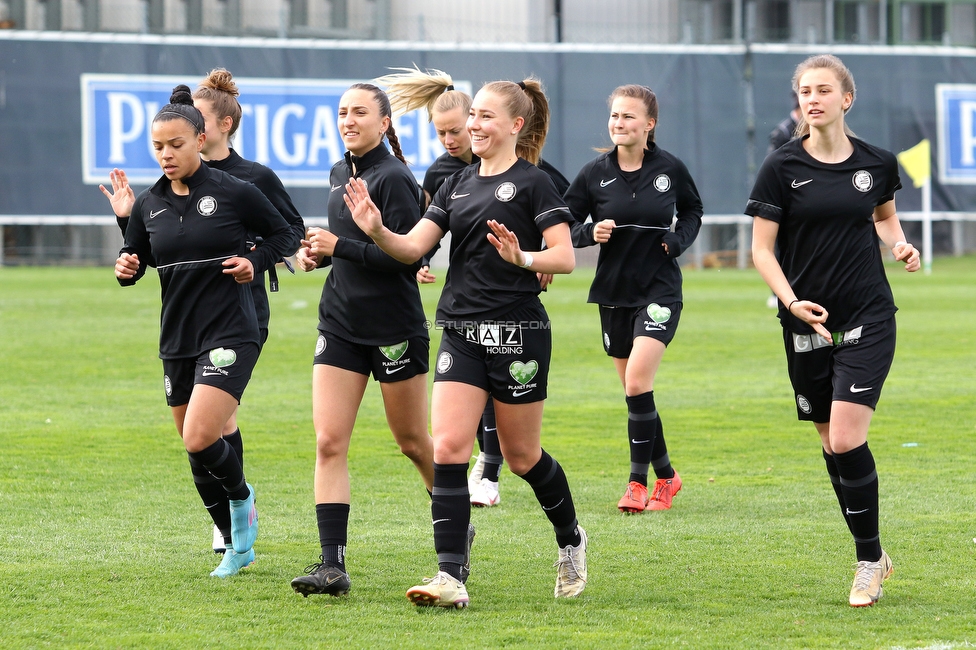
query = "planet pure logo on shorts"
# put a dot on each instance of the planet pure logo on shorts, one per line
(523, 373)
(168, 386)
(207, 206)
(222, 357)
(662, 183)
(804, 404)
(444, 362)
(395, 354)
(863, 181)
(505, 192)
(320, 345)
(658, 314)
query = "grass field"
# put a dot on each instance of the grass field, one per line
(104, 543)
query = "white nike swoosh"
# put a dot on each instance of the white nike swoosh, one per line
(555, 506)
(334, 188)
(460, 196)
(639, 442)
(153, 215)
(795, 184)
(605, 183)
(856, 512)
(391, 371)
(519, 393)
(439, 521)
(854, 389)
(491, 429)
(211, 374)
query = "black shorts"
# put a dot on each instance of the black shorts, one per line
(509, 358)
(621, 325)
(387, 363)
(228, 369)
(851, 368)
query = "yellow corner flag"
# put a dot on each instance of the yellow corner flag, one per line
(917, 161)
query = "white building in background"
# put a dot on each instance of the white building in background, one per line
(951, 22)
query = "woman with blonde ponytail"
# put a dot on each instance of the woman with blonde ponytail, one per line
(496, 342)
(821, 202)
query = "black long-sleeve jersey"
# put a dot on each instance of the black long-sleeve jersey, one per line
(270, 185)
(633, 269)
(480, 285)
(370, 298)
(187, 238)
(827, 244)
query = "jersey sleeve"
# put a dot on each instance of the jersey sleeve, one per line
(396, 199)
(272, 187)
(894, 180)
(260, 216)
(577, 198)
(548, 207)
(137, 242)
(688, 207)
(437, 210)
(767, 199)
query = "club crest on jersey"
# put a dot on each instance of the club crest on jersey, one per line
(207, 206)
(863, 181)
(662, 183)
(444, 362)
(320, 345)
(505, 192)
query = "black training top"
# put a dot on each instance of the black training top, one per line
(633, 269)
(443, 168)
(270, 185)
(827, 244)
(480, 285)
(371, 298)
(187, 238)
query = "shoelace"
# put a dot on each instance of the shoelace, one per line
(440, 579)
(659, 489)
(864, 573)
(567, 562)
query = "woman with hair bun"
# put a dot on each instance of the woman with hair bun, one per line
(632, 193)
(216, 99)
(496, 341)
(821, 202)
(192, 225)
(371, 322)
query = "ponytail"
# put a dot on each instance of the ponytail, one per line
(526, 99)
(385, 111)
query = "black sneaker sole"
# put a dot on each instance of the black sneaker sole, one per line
(307, 589)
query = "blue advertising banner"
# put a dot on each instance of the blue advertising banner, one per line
(956, 120)
(287, 124)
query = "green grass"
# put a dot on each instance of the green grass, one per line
(103, 541)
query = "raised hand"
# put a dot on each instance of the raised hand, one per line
(121, 197)
(506, 243)
(364, 212)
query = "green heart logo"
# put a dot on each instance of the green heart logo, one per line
(394, 352)
(657, 313)
(221, 357)
(523, 372)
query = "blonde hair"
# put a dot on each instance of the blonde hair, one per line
(843, 74)
(525, 99)
(412, 88)
(220, 90)
(646, 97)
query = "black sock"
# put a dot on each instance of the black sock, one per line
(237, 444)
(214, 497)
(548, 481)
(333, 523)
(489, 444)
(450, 511)
(834, 475)
(660, 461)
(859, 483)
(480, 435)
(641, 428)
(220, 459)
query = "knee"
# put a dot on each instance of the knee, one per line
(417, 448)
(328, 445)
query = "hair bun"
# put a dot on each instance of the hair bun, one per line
(181, 95)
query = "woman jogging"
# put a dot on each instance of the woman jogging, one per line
(496, 341)
(371, 321)
(448, 109)
(216, 99)
(820, 204)
(632, 193)
(193, 226)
